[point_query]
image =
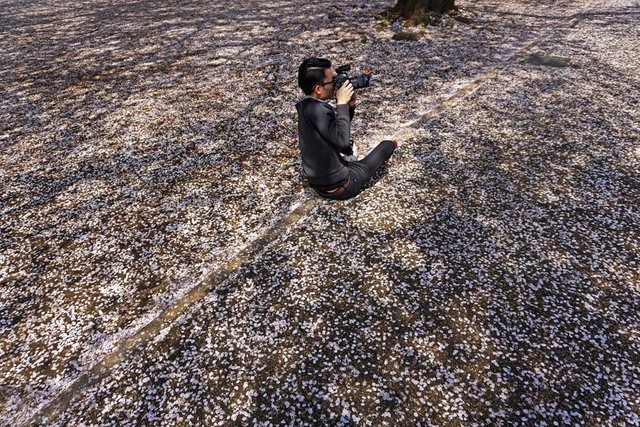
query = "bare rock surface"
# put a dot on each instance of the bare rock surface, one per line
(490, 276)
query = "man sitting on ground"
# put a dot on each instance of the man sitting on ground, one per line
(325, 133)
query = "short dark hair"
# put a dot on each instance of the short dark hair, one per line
(311, 73)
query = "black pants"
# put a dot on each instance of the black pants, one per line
(360, 172)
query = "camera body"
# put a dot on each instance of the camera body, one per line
(360, 81)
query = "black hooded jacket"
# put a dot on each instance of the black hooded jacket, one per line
(324, 133)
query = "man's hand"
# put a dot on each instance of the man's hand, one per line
(345, 93)
(353, 99)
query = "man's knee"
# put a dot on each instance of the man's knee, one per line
(389, 147)
(394, 143)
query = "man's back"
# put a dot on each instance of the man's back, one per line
(323, 133)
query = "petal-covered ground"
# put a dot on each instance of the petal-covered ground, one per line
(489, 277)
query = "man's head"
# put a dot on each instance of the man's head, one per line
(315, 78)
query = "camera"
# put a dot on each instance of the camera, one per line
(358, 82)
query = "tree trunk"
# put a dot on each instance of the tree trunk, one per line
(416, 11)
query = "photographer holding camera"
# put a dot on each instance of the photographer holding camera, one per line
(324, 132)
